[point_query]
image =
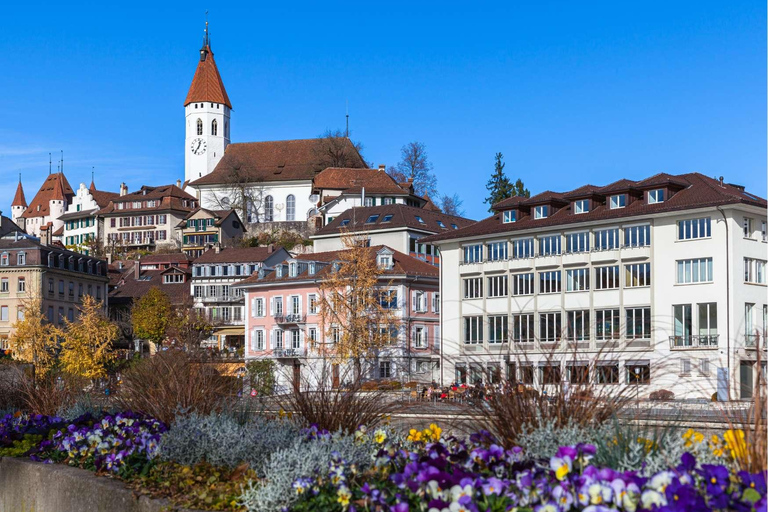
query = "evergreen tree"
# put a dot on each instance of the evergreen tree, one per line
(500, 187)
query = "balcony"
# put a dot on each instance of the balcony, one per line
(752, 340)
(695, 342)
(287, 353)
(290, 319)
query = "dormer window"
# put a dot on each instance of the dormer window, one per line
(387, 218)
(581, 206)
(384, 261)
(421, 221)
(4, 259)
(372, 219)
(311, 268)
(292, 269)
(279, 271)
(440, 223)
(541, 212)
(510, 216)
(619, 201)
(344, 223)
(656, 196)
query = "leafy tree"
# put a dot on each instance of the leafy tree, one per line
(188, 326)
(451, 205)
(414, 164)
(87, 345)
(34, 339)
(150, 316)
(500, 187)
(261, 376)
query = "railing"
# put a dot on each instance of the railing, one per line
(288, 352)
(693, 342)
(290, 319)
(751, 341)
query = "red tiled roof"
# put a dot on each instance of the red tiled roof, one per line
(103, 198)
(236, 255)
(354, 219)
(279, 160)
(55, 187)
(207, 84)
(133, 289)
(175, 257)
(375, 181)
(169, 196)
(699, 192)
(18, 199)
(429, 205)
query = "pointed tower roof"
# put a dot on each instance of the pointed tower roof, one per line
(207, 84)
(55, 187)
(58, 191)
(18, 199)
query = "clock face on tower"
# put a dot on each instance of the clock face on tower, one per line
(198, 146)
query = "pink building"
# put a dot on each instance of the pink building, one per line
(283, 321)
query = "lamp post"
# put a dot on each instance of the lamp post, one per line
(637, 388)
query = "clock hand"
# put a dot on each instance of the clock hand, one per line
(198, 146)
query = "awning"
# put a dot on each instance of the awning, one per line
(230, 331)
(230, 369)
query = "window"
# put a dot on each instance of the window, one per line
(50, 285)
(577, 280)
(754, 271)
(71, 315)
(420, 220)
(638, 372)
(747, 227)
(368, 201)
(269, 209)
(258, 307)
(295, 305)
(707, 323)
(435, 302)
(20, 313)
(420, 337)
(214, 127)
(199, 126)
(386, 218)
(550, 373)
(581, 206)
(541, 212)
(257, 340)
(691, 229)
(290, 208)
(638, 323)
(335, 334)
(509, 216)
(473, 329)
(522, 284)
(578, 325)
(607, 324)
(522, 328)
(385, 370)
(295, 339)
(473, 253)
(697, 270)
(4, 288)
(473, 288)
(497, 251)
(618, 201)
(637, 274)
(387, 200)
(683, 324)
(762, 230)
(637, 236)
(607, 373)
(3, 313)
(312, 303)
(420, 301)
(549, 282)
(312, 333)
(21, 258)
(497, 286)
(173, 278)
(277, 339)
(550, 327)
(656, 196)
(606, 277)
(578, 372)
(522, 248)
(549, 245)
(606, 239)
(372, 219)
(4, 259)
(526, 374)
(388, 299)
(577, 242)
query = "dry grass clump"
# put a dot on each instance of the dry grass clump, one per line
(46, 394)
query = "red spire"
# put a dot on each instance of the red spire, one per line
(207, 84)
(18, 199)
(58, 189)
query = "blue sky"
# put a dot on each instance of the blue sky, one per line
(569, 92)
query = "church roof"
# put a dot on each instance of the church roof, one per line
(207, 84)
(54, 188)
(375, 181)
(18, 199)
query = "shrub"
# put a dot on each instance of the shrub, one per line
(170, 381)
(46, 394)
(261, 376)
(221, 440)
(662, 394)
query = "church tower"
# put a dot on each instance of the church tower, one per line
(207, 109)
(18, 206)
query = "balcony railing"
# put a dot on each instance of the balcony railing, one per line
(290, 319)
(751, 341)
(693, 342)
(288, 352)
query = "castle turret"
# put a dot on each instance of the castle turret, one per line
(19, 205)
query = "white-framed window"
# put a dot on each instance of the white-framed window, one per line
(435, 302)
(696, 270)
(607, 278)
(578, 325)
(685, 366)
(522, 248)
(607, 324)
(295, 338)
(748, 227)
(550, 282)
(199, 126)
(388, 299)
(312, 304)
(473, 329)
(762, 231)
(550, 327)
(581, 206)
(637, 275)
(214, 127)
(509, 216)
(497, 286)
(473, 288)
(498, 326)
(368, 201)
(577, 242)
(385, 370)
(497, 251)
(708, 321)
(577, 280)
(22, 285)
(523, 328)
(638, 323)
(656, 196)
(295, 305)
(606, 239)
(549, 245)
(269, 209)
(703, 366)
(541, 212)
(420, 337)
(420, 301)
(4, 259)
(691, 229)
(618, 201)
(335, 334)
(4, 286)
(257, 339)
(522, 284)
(312, 334)
(257, 307)
(754, 271)
(637, 236)
(277, 306)
(21, 258)
(473, 253)
(277, 338)
(290, 207)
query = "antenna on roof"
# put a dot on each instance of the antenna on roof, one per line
(62, 162)
(207, 36)
(347, 131)
(50, 163)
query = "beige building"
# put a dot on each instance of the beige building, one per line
(203, 229)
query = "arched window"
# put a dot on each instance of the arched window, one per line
(269, 209)
(290, 207)
(214, 127)
(199, 126)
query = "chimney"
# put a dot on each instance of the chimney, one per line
(270, 248)
(216, 249)
(123, 189)
(136, 269)
(382, 167)
(721, 181)
(178, 183)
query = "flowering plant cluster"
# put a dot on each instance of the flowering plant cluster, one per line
(477, 474)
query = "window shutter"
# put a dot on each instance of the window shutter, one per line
(437, 337)
(414, 306)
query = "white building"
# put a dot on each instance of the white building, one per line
(47, 207)
(82, 225)
(659, 283)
